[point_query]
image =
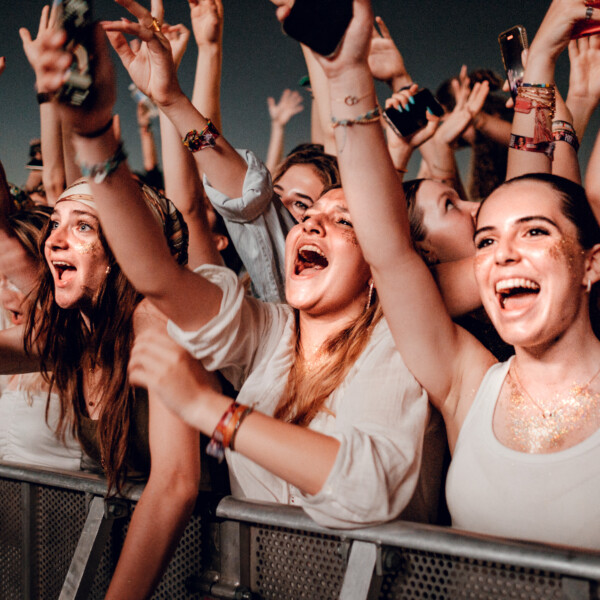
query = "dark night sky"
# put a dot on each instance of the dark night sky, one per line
(435, 37)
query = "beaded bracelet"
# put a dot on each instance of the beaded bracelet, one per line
(370, 117)
(528, 144)
(564, 135)
(225, 430)
(100, 171)
(207, 138)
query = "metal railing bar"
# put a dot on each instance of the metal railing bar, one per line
(415, 536)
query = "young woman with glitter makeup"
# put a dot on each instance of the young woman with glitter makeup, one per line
(525, 434)
(83, 317)
(328, 386)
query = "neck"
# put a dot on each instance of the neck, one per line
(573, 357)
(316, 330)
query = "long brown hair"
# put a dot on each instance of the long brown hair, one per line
(306, 392)
(66, 345)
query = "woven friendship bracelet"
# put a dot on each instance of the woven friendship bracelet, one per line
(100, 171)
(207, 138)
(370, 117)
(527, 144)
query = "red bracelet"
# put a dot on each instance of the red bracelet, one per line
(207, 138)
(225, 430)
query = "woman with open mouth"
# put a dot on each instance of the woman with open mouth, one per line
(327, 415)
(78, 332)
(525, 434)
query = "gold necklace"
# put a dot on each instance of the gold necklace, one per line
(539, 433)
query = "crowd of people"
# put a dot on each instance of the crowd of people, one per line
(337, 333)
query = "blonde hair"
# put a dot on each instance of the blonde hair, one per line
(306, 392)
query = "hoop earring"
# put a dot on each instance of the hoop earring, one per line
(588, 289)
(370, 296)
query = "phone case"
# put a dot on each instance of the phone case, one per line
(406, 122)
(319, 24)
(512, 43)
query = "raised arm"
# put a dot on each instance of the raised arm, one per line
(281, 112)
(137, 240)
(431, 345)
(530, 150)
(152, 69)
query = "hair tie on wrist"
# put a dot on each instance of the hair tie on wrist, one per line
(98, 132)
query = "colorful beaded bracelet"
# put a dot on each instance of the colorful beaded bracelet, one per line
(207, 138)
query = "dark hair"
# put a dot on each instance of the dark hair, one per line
(325, 165)
(27, 225)
(67, 345)
(418, 232)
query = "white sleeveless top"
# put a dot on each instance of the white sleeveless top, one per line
(494, 490)
(26, 438)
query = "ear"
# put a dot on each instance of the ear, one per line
(592, 265)
(427, 251)
(221, 241)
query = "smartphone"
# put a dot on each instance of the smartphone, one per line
(585, 26)
(407, 121)
(512, 43)
(77, 21)
(319, 24)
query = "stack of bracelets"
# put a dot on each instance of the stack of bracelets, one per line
(226, 431)
(563, 131)
(541, 98)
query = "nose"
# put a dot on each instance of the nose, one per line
(506, 251)
(313, 224)
(57, 238)
(470, 208)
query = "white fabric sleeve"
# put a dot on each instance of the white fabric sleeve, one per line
(381, 433)
(258, 227)
(229, 342)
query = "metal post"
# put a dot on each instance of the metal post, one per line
(99, 522)
(361, 582)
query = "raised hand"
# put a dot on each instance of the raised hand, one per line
(178, 36)
(32, 47)
(2, 64)
(289, 104)
(150, 65)
(385, 61)
(207, 21)
(584, 80)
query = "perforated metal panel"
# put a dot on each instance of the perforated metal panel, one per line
(293, 564)
(60, 516)
(430, 576)
(11, 541)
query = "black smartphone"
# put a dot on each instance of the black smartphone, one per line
(319, 24)
(77, 21)
(407, 121)
(512, 43)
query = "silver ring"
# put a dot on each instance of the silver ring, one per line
(589, 11)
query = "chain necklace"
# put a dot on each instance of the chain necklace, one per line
(538, 433)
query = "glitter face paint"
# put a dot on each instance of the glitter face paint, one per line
(85, 248)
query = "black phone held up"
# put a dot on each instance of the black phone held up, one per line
(512, 43)
(414, 117)
(76, 19)
(319, 24)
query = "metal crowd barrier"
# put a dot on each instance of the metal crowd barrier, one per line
(59, 538)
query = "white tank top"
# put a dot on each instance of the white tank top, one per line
(492, 489)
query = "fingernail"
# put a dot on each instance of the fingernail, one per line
(411, 100)
(429, 111)
(399, 107)
(407, 107)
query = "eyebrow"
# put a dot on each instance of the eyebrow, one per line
(519, 222)
(78, 213)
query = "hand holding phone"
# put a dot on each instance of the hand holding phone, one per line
(512, 43)
(587, 26)
(409, 120)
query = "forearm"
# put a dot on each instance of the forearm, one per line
(276, 142)
(283, 449)
(72, 172)
(582, 110)
(223, 166)
(318, 84)
(565, 163)
(592, 179)
(206, 96)
(149, 156)
(493, 127)
(53, 174)
(156, 526)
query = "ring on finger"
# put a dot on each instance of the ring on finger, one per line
(156, 25)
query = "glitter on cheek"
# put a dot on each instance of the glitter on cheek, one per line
(85, 248)
(350, 237)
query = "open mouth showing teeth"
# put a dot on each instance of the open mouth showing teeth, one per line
(61, 268)
(516, 290)
(310, 257)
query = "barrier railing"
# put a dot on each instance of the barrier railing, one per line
(59, 538)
